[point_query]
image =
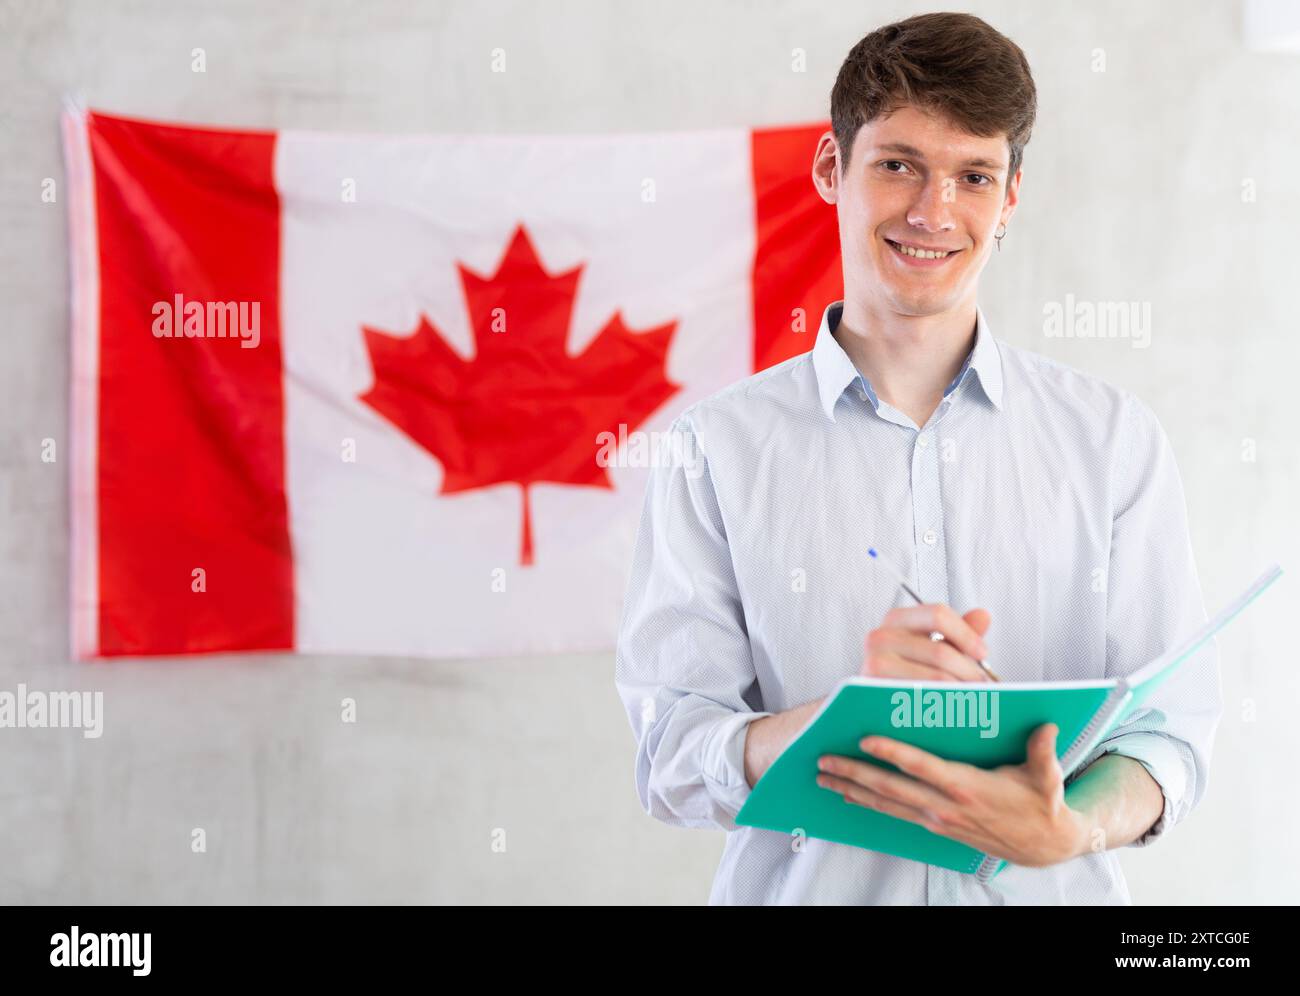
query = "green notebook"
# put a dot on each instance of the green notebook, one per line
(979, 723)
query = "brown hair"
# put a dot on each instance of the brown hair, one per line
(953, 64)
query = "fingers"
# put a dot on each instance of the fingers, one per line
(979, 620)
(955, 780)
(855, 793)
(1041, 753)
(885, 665)
(942, 619)
(843, 772)
(939, 658)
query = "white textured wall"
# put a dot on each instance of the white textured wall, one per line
(1132, 193)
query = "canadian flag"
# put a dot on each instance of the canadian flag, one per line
(348, 393)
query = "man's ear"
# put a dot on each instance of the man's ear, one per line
(826, 168)
(1013, 196)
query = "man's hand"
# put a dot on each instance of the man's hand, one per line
(1016, 812)
(902, 647)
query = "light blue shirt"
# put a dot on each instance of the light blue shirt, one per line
(1038, 492)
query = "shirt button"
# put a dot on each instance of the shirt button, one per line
(923, 442)
(930, 537)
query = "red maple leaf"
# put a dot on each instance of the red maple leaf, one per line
(522, 410)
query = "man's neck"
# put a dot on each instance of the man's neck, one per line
(908, 360)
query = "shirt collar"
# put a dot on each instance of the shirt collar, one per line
(835, 371)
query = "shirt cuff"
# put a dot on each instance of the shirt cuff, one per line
(1163, 764)
(724, 763)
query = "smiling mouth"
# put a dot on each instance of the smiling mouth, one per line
(913, 253)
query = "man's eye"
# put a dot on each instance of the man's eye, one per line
(893, 162)
(979, 177)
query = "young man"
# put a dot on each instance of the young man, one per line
(991, 476)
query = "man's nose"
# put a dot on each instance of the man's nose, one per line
(932, 210)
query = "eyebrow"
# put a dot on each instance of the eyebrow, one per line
(915, 153)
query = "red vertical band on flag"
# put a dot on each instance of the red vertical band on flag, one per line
(797, 258)
(189, 471)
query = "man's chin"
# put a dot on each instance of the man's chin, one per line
(914, 305)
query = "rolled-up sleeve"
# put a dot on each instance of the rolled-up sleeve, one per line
(683, 665)
(1154, 600)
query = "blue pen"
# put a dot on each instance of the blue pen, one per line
(919, 601)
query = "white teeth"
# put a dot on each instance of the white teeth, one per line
(918, 253)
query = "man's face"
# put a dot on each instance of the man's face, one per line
(916, 180)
